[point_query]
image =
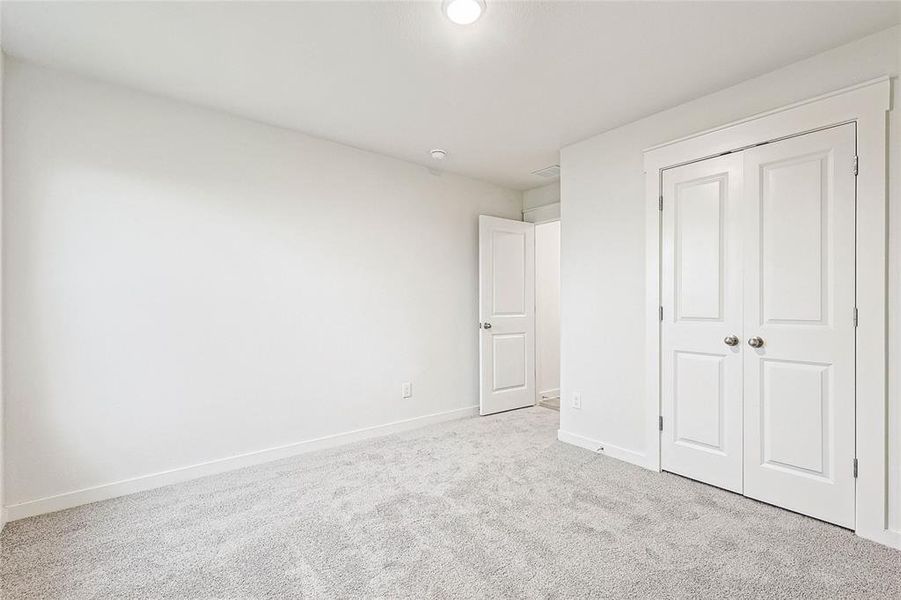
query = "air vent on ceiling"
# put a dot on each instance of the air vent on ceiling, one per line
(551, 172)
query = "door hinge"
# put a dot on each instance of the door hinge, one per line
(855, 317)
(661, 422)
(855, 468)
(855, 165)
(660, 203)
(660, 313)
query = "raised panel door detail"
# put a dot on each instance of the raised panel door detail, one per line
(701, 290)
(509, 361)
(506, 314)
(799, 294)
(509, 273)
(794, 240)
(698, 214)
(796, 419)
(698, 402)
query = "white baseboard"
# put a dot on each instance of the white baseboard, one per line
(886, 537)
(555, 393)
(629, 456)
(155, 480)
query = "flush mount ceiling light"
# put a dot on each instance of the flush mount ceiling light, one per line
(438, 154)
(463, 12)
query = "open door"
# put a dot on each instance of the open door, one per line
(506, 314)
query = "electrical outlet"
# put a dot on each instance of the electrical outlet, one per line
(577, 400)
(407, 390)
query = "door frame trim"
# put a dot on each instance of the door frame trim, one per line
(865, 105)
(541, 215)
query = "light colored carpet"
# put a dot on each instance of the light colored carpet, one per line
(491, 507)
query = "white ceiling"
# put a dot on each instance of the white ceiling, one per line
(502, 96)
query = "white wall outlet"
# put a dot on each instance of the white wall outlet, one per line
(407, 390)
(577, 400)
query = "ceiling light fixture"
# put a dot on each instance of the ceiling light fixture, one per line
(438, 154)
(463, 12)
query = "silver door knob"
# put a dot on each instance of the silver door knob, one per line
(756, 342)
(486, 325)
(730, 340)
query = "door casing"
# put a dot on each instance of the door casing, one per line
(865, 105)
(546, 213)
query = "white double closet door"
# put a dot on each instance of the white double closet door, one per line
(758, 332)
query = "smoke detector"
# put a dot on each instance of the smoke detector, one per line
(551, 172)
(438, 154)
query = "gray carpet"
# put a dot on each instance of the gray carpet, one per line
(491, 507)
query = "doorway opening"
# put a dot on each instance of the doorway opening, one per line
(547, 314)
(519, 312)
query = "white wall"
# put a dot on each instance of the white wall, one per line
(541, 204)
(541, 196)
(183, 285)
(603, 244)
(2, 420)
(894, 354)
(547, 307)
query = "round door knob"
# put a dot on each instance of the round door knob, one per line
(755, 342)
(730, 340)
(487, 325)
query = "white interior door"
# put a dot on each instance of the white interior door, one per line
(701, 287)
(799, 303)
(506, 314)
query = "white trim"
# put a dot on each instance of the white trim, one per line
(547, 213)
(864, 104)
(163, 478)
(887, 537)
(839, 92)
(599, 447)
(554, 393)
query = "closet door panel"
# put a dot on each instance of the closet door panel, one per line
(799, 324)
(701, 372)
